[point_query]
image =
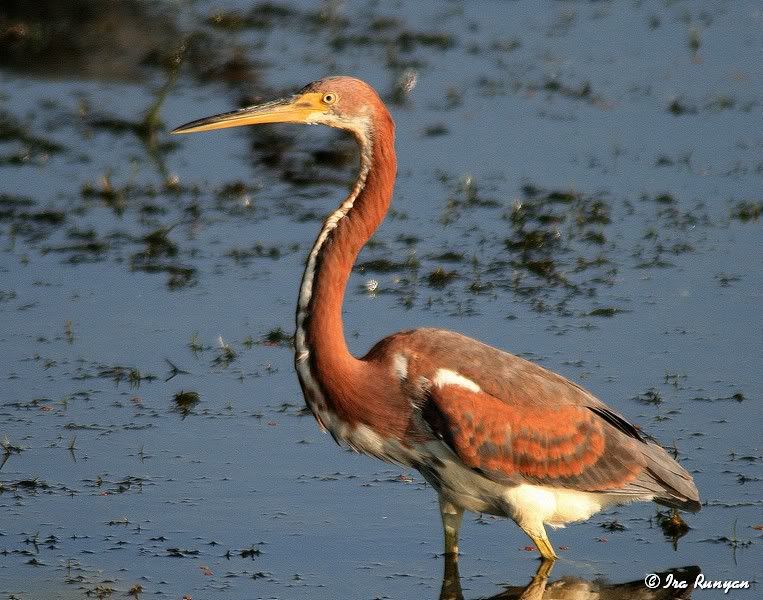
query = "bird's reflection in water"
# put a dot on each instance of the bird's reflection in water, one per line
(575, 588)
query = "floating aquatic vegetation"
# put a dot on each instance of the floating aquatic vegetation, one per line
(158, 247)
(259, 250)
(605, 312)
(678, 106)
(181, 552)
(651, 396)
(277, 337)
(673, 526)
(8, 450)
(506, 44)
(185, 401)
(747, 210)
(436, 130)
(84, 247)
(195, 345)
(613, 525)
(225, 353)
(441, 277)
(251, 552)
(733, 541)
(384, 265)
(26, 148)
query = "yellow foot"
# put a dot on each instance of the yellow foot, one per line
(544, 547)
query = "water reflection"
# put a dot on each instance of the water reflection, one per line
(114, 42)
(82, 39)
(577, 588)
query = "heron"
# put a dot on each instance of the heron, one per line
(491, 432)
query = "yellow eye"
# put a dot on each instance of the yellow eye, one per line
(330, 98)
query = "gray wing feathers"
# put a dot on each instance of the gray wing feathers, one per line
(673, 478)
(663, 478)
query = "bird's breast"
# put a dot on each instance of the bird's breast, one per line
(354, 433)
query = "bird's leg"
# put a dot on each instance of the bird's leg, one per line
(542, 543)
(451, 523)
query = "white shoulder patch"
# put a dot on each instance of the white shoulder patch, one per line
(445, 377)
(400, 366)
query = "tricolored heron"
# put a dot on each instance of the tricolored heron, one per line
(491, 432)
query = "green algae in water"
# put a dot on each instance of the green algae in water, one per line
(441, 277)
(747, 210)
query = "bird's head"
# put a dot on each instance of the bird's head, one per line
(342, 102)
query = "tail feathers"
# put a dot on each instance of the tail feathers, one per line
(681, 504)
(677, 485)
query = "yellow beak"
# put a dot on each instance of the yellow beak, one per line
(297, 109)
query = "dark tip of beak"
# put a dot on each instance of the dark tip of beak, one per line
(191, 126)
(186, 126)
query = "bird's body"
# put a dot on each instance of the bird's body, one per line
(491, 432)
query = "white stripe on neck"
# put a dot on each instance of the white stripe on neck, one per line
(361, 127)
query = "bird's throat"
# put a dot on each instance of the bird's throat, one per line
(326, 368)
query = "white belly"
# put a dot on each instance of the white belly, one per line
(554, 506)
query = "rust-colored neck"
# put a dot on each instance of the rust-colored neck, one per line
(329, 266)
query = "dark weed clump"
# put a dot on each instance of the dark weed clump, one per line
(436, 130)
(449, 256)
(383, 265)
(672, 525)
(119, 374)
(547, 229)
(251, 552)
(29, 148)
(83, 247)
(651, 396)
(465, 194)
(8, 450)
(181, 552)
(178, 276)
(245, 256)
(156, 257)
(185, 401)
(11, 203)
(613, 525)
(605, 312)
(733, 541)
(225, 354)
(747, 210)
(277, 337)
(678, 107)
(441, 277)
(582, 91)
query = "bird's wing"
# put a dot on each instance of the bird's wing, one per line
(569, 445)
(526, 423)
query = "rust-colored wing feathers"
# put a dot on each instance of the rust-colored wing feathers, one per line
(569, 447)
